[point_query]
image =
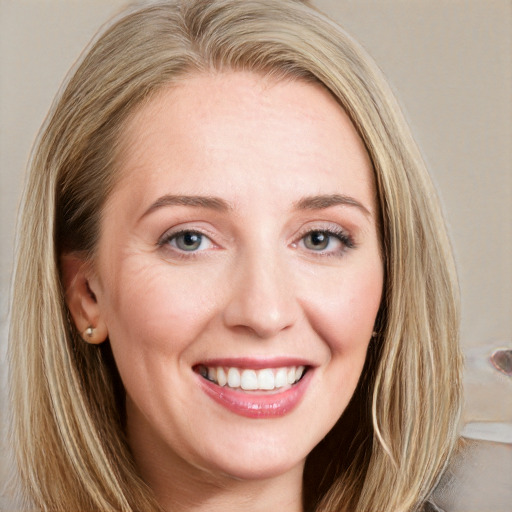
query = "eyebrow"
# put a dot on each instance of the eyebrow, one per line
(208, 202)
(326, 201)
(319, 202)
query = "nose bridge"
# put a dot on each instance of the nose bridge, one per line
(261, 298)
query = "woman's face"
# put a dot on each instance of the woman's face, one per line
(238, 273)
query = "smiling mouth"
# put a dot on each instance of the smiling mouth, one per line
(265, 379)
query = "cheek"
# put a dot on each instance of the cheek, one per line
(159, 309)
(343, 308)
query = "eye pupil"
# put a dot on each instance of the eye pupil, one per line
(317, 240)
(189, 241)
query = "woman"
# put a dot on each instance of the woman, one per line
(237, 291)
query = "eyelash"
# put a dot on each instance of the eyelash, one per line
(167, 238)
(341, 235)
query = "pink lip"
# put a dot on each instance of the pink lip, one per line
(257, 405)
(256, 363)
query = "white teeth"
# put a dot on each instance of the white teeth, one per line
(249, 380)
(233, 378)
(266, 379)
(222, 380)
(281, 378)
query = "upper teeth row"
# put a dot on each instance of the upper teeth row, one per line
(249, 380)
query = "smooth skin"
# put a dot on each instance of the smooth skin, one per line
(243, 225)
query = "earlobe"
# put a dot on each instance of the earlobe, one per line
(95, 335)
(81, 300)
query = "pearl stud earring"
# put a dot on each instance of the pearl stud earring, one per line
(89, 332)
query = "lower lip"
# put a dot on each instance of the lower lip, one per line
(258, 405)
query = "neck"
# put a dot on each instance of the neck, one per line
(181, 486)
(214, 494)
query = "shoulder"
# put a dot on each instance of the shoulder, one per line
(429, 506)
(479, 478)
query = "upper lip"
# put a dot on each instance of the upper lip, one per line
(257, 363)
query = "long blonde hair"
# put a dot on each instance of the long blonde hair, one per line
(393, 441)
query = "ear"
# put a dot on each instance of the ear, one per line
(80, 299)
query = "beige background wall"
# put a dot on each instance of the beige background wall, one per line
(450, 63)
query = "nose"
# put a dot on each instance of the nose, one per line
(261, 300)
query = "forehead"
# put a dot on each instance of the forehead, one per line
(216, 126)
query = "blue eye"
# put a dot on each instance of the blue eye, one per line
(187, 241)
(317, 240)
(327, 241)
